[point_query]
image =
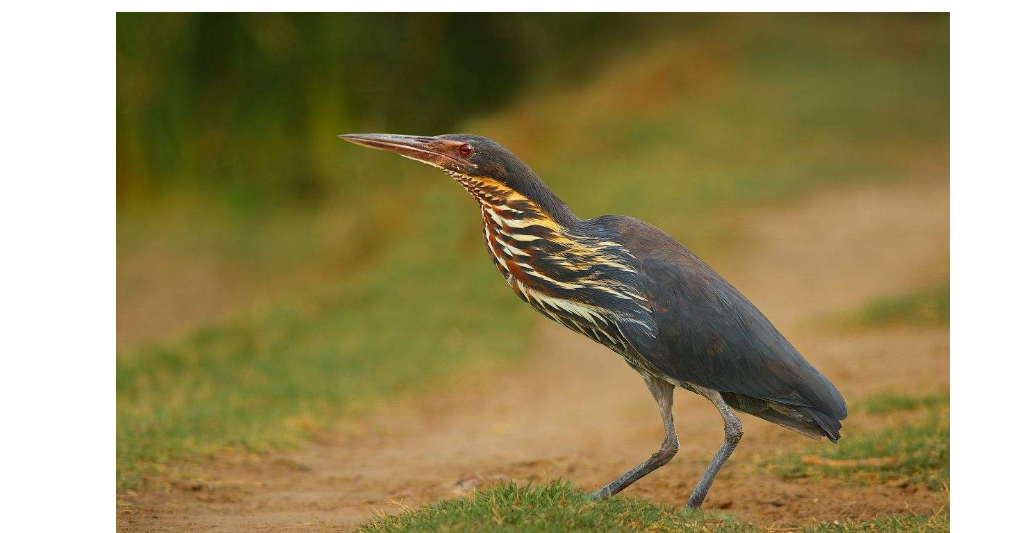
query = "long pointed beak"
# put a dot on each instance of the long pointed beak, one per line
(430, 150)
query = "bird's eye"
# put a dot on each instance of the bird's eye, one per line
(465, 149)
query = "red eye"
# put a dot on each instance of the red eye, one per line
(465, 150)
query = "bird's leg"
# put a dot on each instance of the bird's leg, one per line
(662, 392)
(733, 433)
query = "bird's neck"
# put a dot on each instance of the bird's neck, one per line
(565, 269)
(551, 261)
(519, 229)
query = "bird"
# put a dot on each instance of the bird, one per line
(631, 287)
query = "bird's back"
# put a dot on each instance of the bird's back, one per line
(712, 336)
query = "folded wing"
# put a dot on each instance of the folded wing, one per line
(711, 335)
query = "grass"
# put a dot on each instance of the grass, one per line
(891, 524)
(555, 507)
(882, 404)
(928, 306)
(913, 448)
(558, 507)
(683, 134)
(265, 381)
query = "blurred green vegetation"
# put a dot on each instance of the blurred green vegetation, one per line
(227, 157)
(928, 306)
(247, 106)
(265, 380)
(880, 404)
(558, 507)
(911, 447)
(936, 523)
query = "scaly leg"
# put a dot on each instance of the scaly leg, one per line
(662, 392)
(733, 433)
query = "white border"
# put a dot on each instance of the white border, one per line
(57, 214)
(58, 220)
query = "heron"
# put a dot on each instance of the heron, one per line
(631, 287)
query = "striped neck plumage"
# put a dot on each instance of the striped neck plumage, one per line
(586, 282)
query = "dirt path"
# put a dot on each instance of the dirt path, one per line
(575, 410)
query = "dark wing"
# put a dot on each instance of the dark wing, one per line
(711, 335)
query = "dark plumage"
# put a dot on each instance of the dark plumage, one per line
(711, 335)
(631, 287)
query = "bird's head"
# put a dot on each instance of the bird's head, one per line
(479, 163)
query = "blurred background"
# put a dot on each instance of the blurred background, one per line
(272, 279)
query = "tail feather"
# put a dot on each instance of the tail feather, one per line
(829, 424)
(804, 420)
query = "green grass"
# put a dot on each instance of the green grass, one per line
(890, 524)
(881, 404)
(551, 508)
(916, 447)
(683, 134)
(929, 306)
(558, 507)
(263, 381)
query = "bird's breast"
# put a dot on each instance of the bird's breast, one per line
(584, 282)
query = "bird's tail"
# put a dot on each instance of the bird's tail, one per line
(804, 420)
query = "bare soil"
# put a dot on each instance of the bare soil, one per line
(576, 410)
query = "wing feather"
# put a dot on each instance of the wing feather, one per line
(711, 335)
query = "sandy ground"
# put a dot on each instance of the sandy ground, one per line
(575, 410)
